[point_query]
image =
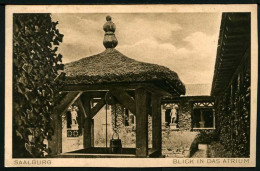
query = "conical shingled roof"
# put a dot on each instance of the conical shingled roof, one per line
(111, 66)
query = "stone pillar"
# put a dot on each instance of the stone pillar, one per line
(163, 116)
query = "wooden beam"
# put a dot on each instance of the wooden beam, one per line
(231, 55)
(88, 136)
(131, 93)
(141, 123)
(81, 107)
(230, 44)
(96, 94)
(92, 138)
(238, 18)
(66, 102)
(124, 98)
(238, 30)
(86, 99)
(188, 98)
(103, 87)
(95, 100)
(237, 36)
(203, 107)
(97, 107)
(231, 49)
(99, 89)
(156, 123)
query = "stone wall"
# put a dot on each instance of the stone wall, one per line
(175, 143)
(185, 123)
(233, 114)
(127, 133)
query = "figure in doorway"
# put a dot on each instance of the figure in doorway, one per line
(74, 116)
(173, 115)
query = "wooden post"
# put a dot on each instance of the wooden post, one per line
(92, 132)
(141, 122)
(88, 136)
(55, 144)
(156, 123)
(213, 111)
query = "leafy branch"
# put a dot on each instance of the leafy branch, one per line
(36, 82)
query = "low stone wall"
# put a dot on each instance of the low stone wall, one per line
(177, 143)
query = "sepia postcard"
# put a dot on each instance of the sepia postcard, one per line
(131, 85)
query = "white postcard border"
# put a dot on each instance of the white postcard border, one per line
(128, 162)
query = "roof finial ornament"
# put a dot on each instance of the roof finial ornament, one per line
(110, 40)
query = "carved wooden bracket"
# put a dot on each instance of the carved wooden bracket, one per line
(97, 107)
(66, 102)
(124, 98)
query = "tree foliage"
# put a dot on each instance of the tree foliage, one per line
(36, 75)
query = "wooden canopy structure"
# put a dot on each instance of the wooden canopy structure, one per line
(111, 75)
(233, 44)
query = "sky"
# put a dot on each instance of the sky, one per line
(184, 42)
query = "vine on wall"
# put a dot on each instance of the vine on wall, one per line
(233, 117)
(36, 81)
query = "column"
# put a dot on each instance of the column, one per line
(214, 120)
(141, 122)
(55, 144)
(157, 123)
(88, 136)
(163, 116)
